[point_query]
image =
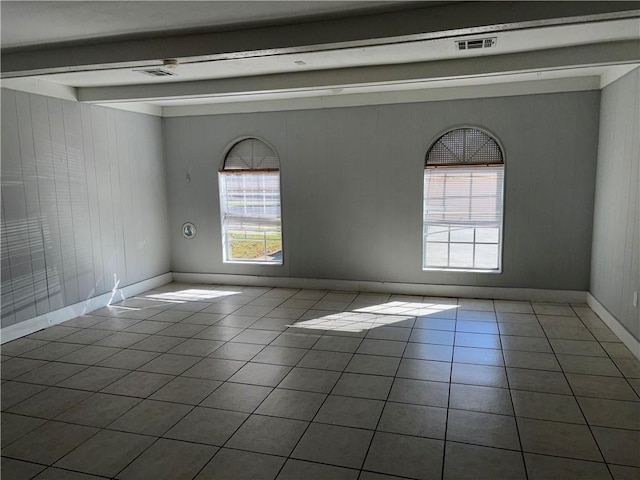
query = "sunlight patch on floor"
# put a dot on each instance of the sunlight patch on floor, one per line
(193, 295)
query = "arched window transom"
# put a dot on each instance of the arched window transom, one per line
(464, 146)
(251, 154)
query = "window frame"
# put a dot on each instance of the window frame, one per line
(437, 138)
(222, 172)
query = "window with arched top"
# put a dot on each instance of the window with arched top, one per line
(249, 180)
(463, 202)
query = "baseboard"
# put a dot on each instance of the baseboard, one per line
(530, 294)
(67, 313)
(614, 324)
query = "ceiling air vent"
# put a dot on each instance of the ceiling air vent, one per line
(157, 72)
(476, 43)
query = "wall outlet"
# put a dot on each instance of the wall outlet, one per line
(635, 299)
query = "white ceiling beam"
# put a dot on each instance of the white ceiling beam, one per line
(465, 18)
(610, 53)
(41, 87)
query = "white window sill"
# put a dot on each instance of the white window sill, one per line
(249, 262)
(461, 270)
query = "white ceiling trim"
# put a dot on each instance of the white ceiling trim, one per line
(613, 73)
(40, 87)
(146, 108)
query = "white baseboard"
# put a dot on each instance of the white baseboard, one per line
(531, 294)
(67, 313)
(616, 327)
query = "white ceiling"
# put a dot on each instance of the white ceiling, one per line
(387, 64)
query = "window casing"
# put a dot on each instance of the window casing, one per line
(463, 203)
(250, 207)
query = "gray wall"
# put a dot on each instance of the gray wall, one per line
(352, 181)
(615, 267)
(83, 202)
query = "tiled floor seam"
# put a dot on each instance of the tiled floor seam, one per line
(175, 423)
(586, 421)
(141, 399)
(133, 460)
(60, 468)
(612, 359)
(446, 419)
(244, 421)
(524, 460)
(98, 430)
(319, 408)
(386, 401)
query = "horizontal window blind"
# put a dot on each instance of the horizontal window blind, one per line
(252, 224)
(464, 195)
(251, 202)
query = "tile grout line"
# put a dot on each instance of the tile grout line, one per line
(608, 355)
(386, 401)
(139, 369)
(321, 405)
(69, 422)
(248, 416)
(515, 418)
(312, 461)
(181, 418)
(446, 420)
(586, 421)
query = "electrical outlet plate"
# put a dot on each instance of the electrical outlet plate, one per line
(635, 299)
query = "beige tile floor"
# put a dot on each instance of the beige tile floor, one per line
(224, 382)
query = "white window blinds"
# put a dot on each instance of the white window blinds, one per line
(463, 196)
(251, 202)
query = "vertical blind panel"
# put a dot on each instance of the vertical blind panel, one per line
(463, 195)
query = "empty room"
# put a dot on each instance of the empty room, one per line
(320, 240)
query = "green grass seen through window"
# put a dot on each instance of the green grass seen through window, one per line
(252, 246)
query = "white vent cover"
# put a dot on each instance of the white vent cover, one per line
(476, 43)
(157, 72)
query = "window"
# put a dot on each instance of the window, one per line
(463, 202)
(250, 204)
